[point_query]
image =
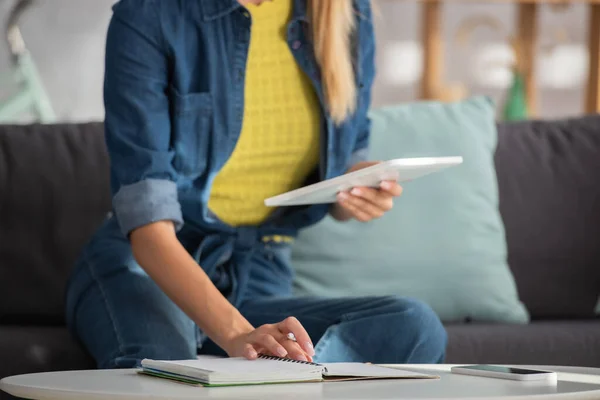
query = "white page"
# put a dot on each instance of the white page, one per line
(368, 370)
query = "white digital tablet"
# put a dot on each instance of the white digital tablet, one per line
(399, 170)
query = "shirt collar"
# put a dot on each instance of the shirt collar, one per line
(214, 9)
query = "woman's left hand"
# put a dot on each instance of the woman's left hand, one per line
(365, 204)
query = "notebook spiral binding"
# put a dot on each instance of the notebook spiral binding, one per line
(288, 360)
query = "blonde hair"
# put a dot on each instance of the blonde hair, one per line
(332, 27)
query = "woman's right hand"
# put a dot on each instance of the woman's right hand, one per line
(272, 339)
(159, 252)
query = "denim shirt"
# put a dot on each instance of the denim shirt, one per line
(174, 100)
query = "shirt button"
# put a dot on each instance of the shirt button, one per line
(246, 14)
(296, 45)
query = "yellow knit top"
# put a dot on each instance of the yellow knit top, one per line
(279, 143)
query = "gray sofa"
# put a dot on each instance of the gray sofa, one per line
(54, 191)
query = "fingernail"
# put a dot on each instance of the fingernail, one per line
(343, 196)
(357, 192)
(252, 353)
(386, 185)
(301, 358)
(281, 351)
(310, 349)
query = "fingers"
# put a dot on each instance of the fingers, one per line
(249, 352)
(392, 188)
(366, 204)
(269, 344)
(358, 208)
(375, 200)
(292, 325)
(294, 351)
(276, 343)
(273, 339)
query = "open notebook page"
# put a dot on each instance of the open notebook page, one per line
(368, 371)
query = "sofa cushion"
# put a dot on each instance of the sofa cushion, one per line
(443, 242)
(549, 181)
(54, 191)
(574, 343)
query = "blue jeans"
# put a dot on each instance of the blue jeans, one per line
(122, 316)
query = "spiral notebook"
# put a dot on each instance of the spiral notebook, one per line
(267, 370)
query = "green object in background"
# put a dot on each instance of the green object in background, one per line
(515, 107)
(444, 241)
(30, 97)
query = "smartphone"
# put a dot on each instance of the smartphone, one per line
(496, 371)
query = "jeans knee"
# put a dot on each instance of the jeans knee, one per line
(424, 337)
(385, 330)
(425, 330)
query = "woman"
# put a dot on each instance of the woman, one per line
(211, 107)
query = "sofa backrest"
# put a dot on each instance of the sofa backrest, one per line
(54, 191)
(549, 183)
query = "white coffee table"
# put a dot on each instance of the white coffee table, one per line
(573, 383)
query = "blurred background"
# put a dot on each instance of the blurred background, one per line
(66, 42)
(514, 229)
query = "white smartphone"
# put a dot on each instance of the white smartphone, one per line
(496, 371)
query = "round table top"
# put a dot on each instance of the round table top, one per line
(573, 383)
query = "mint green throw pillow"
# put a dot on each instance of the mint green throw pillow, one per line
(444, 240)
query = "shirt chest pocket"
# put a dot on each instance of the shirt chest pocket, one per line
(191, 127)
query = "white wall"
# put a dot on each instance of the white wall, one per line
(66, 38)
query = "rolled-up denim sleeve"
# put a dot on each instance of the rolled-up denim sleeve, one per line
(360, 151)
(137, 122)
